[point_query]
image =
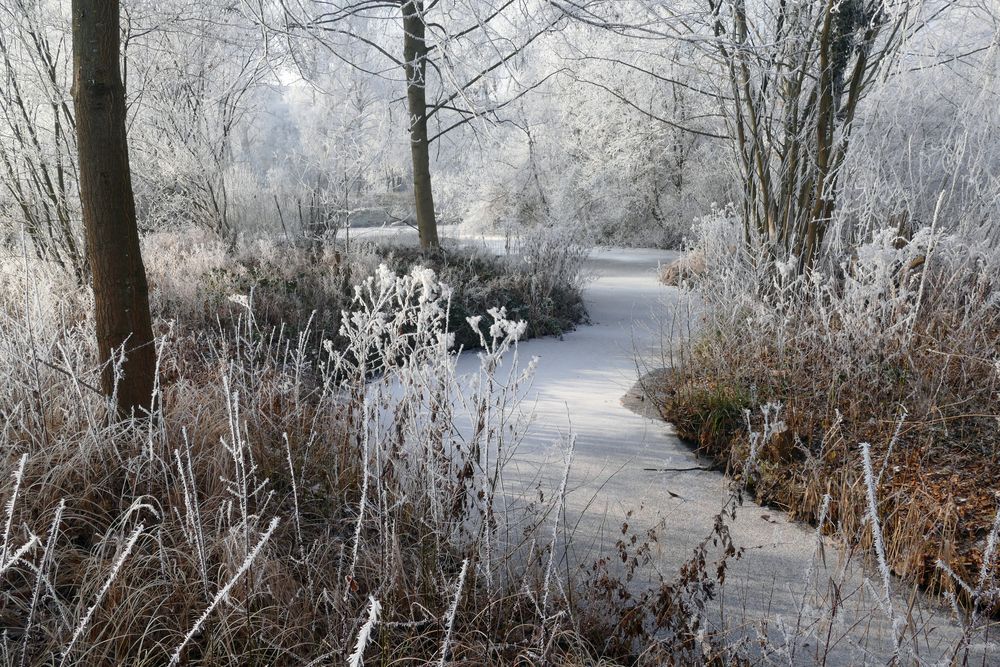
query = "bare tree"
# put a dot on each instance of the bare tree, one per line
(793, 77)
(194, 69)
(121, 299)
(797, 73)
(37, 142)
(452, 53)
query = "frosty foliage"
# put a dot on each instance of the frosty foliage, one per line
(200, 283)
(358, 485)
(869, 308)
(928, 140)
(316, 484)
(247, 123)
(591, 149)
(892, 343)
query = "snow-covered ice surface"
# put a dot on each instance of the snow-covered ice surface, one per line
(578, 387)
(784, 584)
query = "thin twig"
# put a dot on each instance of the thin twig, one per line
(71, 376)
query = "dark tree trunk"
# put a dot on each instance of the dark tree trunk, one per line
(121, 297)
(415, 57)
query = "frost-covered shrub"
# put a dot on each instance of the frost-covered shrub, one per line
(538, 280)
(193, 282)
(193, 277)
(273, 497)
(882, 298)
(896, 344)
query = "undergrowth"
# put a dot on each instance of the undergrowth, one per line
(895, 346)
(350, 502)
(290, 506)
(201, 283)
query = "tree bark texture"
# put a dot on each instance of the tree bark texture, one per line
(121, 296)
(415, 61)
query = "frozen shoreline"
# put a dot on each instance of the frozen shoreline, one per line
(628, 465)
(579, 387)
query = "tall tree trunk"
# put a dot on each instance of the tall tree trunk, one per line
(415, 57)
(121, 296)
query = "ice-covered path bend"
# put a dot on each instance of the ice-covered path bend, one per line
(619, 463)
(620, 456)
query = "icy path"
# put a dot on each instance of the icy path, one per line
(579, 386)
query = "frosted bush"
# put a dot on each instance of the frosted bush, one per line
(193, 276)
(870, 304)
(397, 331)
(892, 343)
(299, 484)
(395, 318)
(553, 257)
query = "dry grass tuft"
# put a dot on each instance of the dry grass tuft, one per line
(897, 349)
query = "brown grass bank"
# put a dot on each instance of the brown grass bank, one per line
(897, 348)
